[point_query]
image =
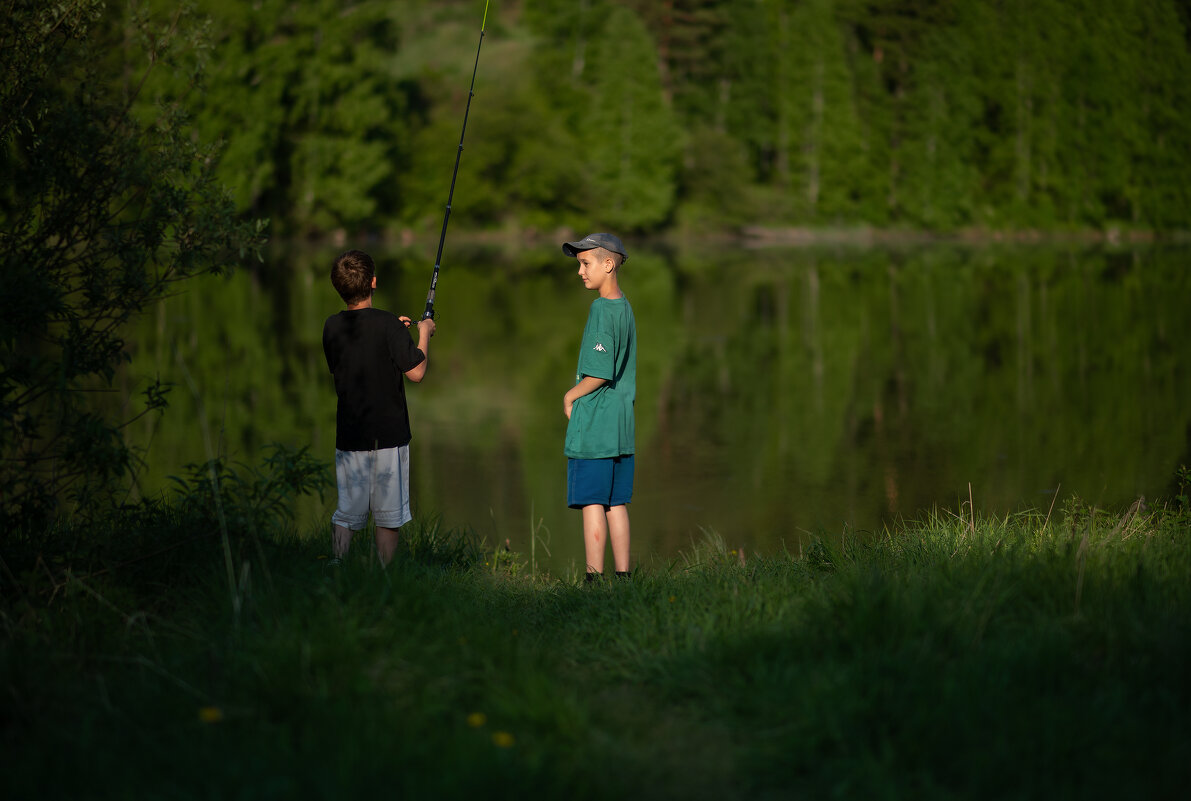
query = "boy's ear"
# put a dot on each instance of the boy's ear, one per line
(374, 282)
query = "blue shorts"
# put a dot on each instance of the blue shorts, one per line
(607, 482)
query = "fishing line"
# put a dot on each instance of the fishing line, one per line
(429, 313)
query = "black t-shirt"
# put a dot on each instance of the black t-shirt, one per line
(368, 351)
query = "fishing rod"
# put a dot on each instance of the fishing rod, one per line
(429, 313)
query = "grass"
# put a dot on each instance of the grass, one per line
(1021, 657)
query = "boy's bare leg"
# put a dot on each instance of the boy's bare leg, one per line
(594, 532)
(618, 533)
(386, 544)
(341, 540)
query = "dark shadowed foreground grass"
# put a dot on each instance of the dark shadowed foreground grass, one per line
(1026, 657)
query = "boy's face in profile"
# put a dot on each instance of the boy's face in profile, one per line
(595, 266)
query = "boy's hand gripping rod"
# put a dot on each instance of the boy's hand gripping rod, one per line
(429, 313)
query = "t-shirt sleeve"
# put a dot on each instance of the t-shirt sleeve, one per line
(330, 352)
(597, 356)
(406, 355)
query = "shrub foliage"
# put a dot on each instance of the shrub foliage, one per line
(106, 203)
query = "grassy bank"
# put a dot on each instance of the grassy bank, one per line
(1028, 657)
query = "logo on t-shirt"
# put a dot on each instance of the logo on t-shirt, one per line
(599, 348)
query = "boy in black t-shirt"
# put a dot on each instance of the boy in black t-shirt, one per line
(368, 351)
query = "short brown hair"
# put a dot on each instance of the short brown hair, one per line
(351, 275)
(604, 253)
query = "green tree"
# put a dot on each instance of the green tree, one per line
(516, 167)
(714, 181)
(746, 100)
(690, 36)
(942, 181)
(103, 210)
(304, 96)
(893, 35)
(1162, 188)
(628, 132)
(564, 32)
(828, 150)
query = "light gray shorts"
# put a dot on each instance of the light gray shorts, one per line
(376, 481)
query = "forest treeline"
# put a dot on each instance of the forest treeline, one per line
(644, 115)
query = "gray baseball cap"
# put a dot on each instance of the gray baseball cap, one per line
(606, 241)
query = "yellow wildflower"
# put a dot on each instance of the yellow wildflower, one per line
(477, 719)
(210, 714)
(502, 739)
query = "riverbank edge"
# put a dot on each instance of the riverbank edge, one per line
(770, 236)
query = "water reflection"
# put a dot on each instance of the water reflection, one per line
(781, 391)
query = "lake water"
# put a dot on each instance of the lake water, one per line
(783, 393)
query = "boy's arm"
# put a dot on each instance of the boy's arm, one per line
(425, 331)
(588, 385)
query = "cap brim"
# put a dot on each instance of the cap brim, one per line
(573, 249)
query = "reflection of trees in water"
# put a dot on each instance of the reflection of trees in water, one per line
(778, 390)
(936, 358)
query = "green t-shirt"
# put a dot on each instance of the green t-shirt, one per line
(602, 425)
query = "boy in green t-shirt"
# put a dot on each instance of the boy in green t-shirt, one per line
(601, 431)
